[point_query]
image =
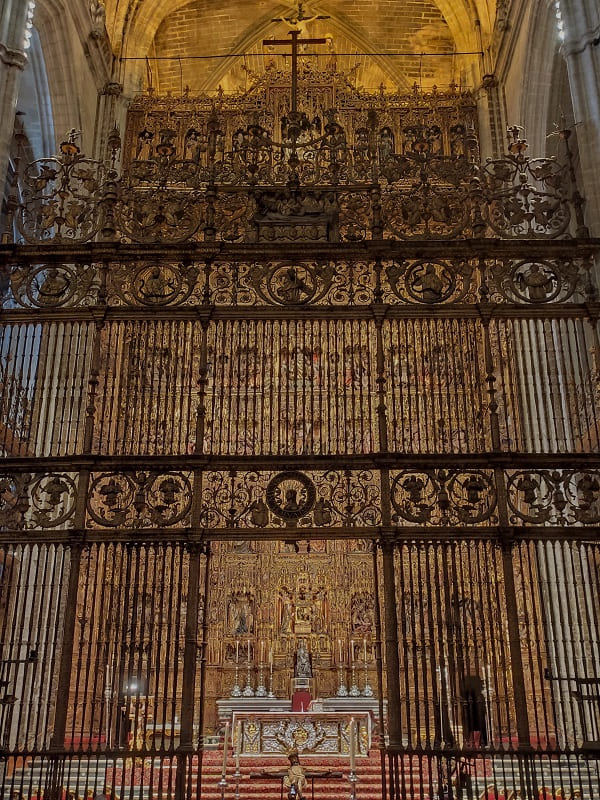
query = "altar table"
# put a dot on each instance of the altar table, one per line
(325, 733)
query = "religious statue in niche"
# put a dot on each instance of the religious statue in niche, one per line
(386, 143)
(287, 612)
(362, 614)
(304, 611)
(240, 614)
(303, 617)
(303, 664)
(98, 14)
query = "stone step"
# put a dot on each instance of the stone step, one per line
(418, 778)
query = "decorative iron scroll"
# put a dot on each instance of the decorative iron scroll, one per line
(430, 282)
(423, 208)
(526, 198)
(444, 497)
(290, 283)
(159, 215)
(61, 197)
(139, 499)
(154, 284)
(300, 499)
(331, 498)
(537, 282)
(554, 497)
(244, 168)
(54, 285)
(37, 500)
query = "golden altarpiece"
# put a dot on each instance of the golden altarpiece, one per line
(291, 369)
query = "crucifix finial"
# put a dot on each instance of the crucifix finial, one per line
(295, 42)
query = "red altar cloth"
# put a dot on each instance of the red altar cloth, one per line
(301, 701)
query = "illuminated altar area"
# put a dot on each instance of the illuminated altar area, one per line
(272, 601)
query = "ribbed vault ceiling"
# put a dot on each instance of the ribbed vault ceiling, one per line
(170, 32)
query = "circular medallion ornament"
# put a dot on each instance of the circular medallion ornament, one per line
(291, 285)
(429, 282)
(52, 286)
(291, 495)
(536, 282)
(156, 284)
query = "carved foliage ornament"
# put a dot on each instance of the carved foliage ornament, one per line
(139, 499)
(62, 198)
(444, 497)
(36, 501)
(554, 497)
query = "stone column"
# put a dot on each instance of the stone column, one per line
(581, 49)
(13, 24)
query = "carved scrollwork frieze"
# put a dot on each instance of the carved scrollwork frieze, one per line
(321, 499)
(31, 500)
(442, 497)
(554, 497)
(139, 499)
(292, 283)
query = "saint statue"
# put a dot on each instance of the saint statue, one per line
(303, 668)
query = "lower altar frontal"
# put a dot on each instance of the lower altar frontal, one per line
(326, 733)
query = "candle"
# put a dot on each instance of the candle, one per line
(238, 745)
(248, 651)
(237, 651)
(352, 745)
(262, 650)
(271, 656)
(340, 649)
(225, 743)
(365, 649)
(352, 651)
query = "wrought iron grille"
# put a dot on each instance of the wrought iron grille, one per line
(402, 401)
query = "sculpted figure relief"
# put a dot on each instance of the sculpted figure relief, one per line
(303, 667)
